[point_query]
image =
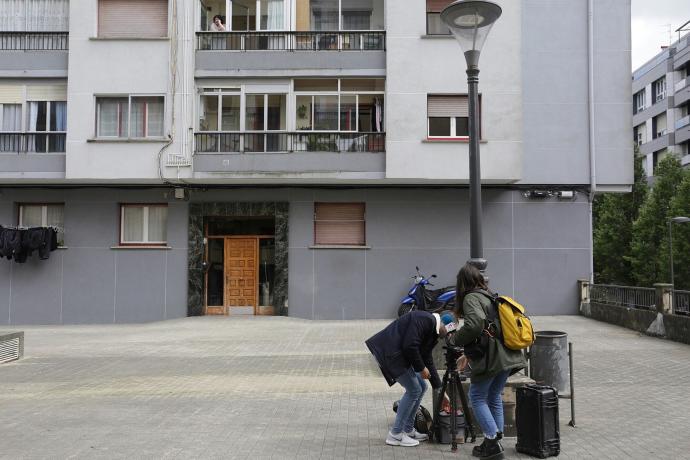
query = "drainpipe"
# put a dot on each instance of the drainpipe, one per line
(592, 143)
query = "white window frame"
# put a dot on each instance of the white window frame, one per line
(453, 129)
(48, 119)
(660, 89)
(639, 101)
(129, 115)
(145, 224)
(44, 217)
(243, 116)
(339, 93)
(220, 93)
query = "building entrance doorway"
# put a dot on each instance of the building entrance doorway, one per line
(240, 266)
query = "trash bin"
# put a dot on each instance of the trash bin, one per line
(548, 362)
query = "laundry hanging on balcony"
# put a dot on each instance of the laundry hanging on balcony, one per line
(20, 243)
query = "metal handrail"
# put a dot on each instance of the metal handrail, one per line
(45, 142)
(292, 41)
(286, 142)
(34, 41)
(681, 302)
(627, 296)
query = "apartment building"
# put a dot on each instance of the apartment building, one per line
(298, 157)
(661, 105)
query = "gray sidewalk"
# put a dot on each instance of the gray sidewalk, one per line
(287, 388)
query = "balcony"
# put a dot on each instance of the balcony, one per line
(681, 84)
(273, 53)
(291, 154)
(33, 54)
(32, 155)
(682, 133)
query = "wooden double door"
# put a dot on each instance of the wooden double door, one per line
(240, 277)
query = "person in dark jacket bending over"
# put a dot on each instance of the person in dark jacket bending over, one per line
(489, 372)
(403, 352)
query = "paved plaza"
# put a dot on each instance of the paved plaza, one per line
(287, 388)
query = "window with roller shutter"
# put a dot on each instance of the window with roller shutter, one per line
(448, 116)
(132, 18)
(434, 25)
(339, 224)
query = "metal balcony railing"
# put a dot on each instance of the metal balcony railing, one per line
(34, 41)
(681, 302)
(292, 41)
(32, 142)
(284, 142)
(636, 297)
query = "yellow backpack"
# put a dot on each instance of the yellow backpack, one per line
(516, 327)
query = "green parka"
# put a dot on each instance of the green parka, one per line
(475, 307)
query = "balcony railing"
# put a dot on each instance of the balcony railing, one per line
(681, 84)
(683, 122)
(292, 41)
(282, 142)
(34, 41)
(32, 142)
(681, 302)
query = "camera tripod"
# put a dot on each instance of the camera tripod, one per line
(452, 385)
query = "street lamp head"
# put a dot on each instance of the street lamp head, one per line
(470, 21)
(680, 219)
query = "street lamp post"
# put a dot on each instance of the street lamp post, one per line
(470, 23)
(671, 221)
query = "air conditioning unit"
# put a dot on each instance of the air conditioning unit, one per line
(661, 133)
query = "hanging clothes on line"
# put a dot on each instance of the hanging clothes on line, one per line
(19, 244)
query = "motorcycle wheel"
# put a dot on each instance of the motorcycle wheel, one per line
(406, 308)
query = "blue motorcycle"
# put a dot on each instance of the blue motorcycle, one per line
(421, 298)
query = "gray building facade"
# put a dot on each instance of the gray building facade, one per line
(276, 169)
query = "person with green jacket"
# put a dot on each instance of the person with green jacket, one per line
(490, 371)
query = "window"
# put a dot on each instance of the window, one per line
(132, 18)
(334, 15)
(46, 117)
(448, 117)
(434, 25)
(34, 15)
(11, 117)
(130, 117)
(355, 105)
(339, 224)
(659, 89)
(44, 215)
(638, 103)
(639, 134)
(659, 126)
(142, 224)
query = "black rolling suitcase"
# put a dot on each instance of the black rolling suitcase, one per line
(536, 417)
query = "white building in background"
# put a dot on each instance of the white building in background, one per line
(304, 160)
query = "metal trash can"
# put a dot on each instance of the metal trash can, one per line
(548, 360)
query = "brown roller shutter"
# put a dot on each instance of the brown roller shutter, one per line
(339, 224)
(132, 18)
(436, 6)
(447, 106)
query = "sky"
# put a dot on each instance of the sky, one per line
(650, 26)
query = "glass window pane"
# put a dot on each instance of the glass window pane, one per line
(255, 112)
(362, 84)
(37, 116)
(243, 15)
(133, 224)
(303, 107)
(316, 84)
(326, 113)
(156, 116)
(216, 271)
(208, 113)
(348, 113)
(362, 14)
(11, 117)
(370, 113)
(266, 270)
(434, 25)
(31, 216)
(272, 15)
(147, 117)
(276, 112)
(439, 126)
(231, 113)
(324, 15)
(462, 126)
(112, 117)
(58, 116)
(158, 224)
(56, 218)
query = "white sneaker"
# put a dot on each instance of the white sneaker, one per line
(416, 435)
(401, 439)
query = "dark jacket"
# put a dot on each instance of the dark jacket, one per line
(475, 307)
(406, 342)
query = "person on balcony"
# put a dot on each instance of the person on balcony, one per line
(217, 24)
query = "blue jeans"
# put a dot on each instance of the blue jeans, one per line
(414, 386)
(487, 403)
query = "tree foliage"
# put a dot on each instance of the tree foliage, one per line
(680, 207)
(650, 229)
(613, 215)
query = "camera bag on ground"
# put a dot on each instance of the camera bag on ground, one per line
(536, 417)
(422, 419)
(517, 332)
